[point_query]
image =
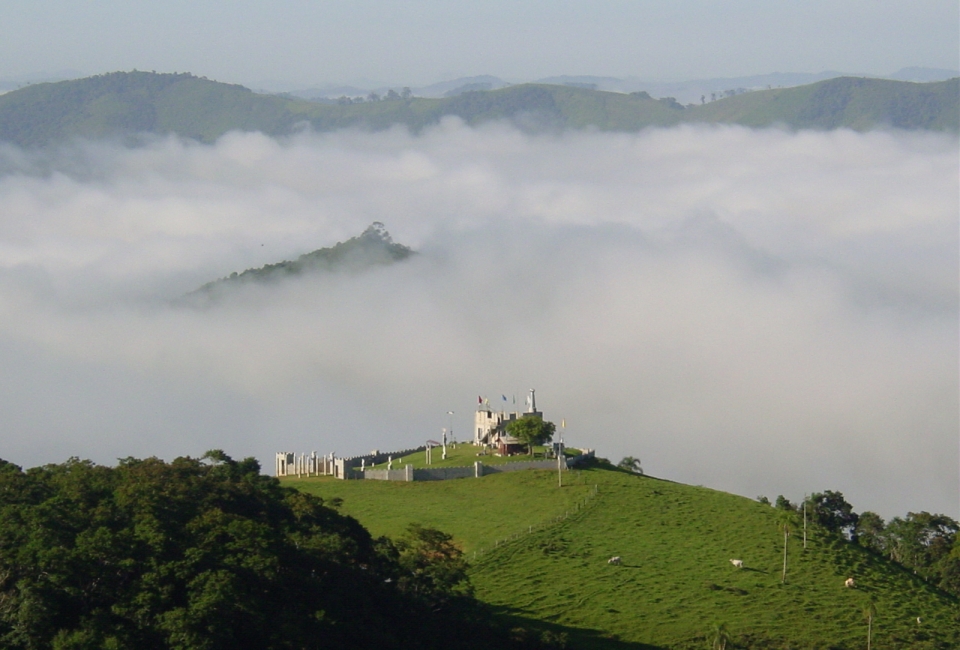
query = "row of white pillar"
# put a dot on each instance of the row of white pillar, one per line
(289, 464)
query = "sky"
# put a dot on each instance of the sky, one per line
(757, 311)
(306, 42)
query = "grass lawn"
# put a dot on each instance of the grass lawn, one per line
(676, 581)
(477, 512)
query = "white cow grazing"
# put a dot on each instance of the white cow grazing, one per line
(849, 582)
(614, 560)
(737, 563)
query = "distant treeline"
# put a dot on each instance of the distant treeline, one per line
(124, 104)
(927, 544)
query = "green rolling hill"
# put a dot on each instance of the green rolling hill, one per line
(122, 104)
(539, 554)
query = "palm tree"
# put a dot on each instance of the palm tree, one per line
(720, 636)
(631, 464)
(785, 523)
(869, 613)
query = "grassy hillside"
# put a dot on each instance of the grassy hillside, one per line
(476, 519)
(124, 103)
(676, 582)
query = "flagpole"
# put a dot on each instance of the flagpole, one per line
(563, 424)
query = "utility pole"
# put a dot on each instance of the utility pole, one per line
(786, 534)
(804, 522)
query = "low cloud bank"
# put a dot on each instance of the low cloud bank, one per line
(758, 311)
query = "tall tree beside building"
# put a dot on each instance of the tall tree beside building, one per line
(531, 430)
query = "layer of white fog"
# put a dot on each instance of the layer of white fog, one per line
(762, 312)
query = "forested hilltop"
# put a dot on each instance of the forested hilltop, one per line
(128, 103)
(371, 248)
(209, 554)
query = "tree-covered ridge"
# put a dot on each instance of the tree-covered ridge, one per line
(126, 103)
(924, 543)
(373, 247)
(208, 553)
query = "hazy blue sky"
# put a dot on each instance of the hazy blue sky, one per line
(422, 41)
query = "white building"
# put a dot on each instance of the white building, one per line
(488, 429)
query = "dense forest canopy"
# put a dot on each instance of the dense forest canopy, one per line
(208, 553)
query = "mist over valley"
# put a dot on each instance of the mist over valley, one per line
(759, 311)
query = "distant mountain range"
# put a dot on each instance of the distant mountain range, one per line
(685, 92)
(373, 247)
(441, 89)
(19, 81)
(124, 104)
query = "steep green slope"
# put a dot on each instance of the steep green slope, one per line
(676, 581)
(479, 515)
(123, 103)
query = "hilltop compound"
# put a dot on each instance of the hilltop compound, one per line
(490, 426)
(490, 432)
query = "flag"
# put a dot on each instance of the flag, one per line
(486, 402)
(563, 423)
(479, 400)
(504, 398)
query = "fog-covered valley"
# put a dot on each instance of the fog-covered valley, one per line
(758, 311)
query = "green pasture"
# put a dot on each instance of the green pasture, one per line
(675, 583)
(477, 512)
